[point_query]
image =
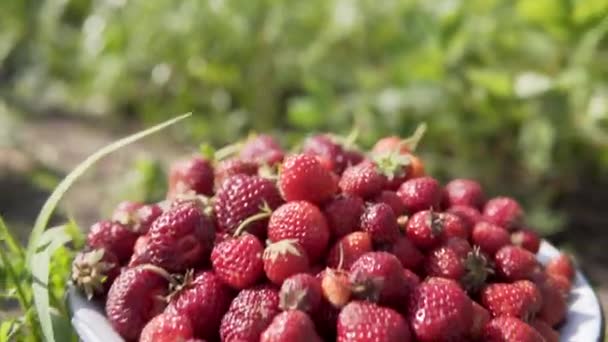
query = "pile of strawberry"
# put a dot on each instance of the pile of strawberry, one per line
(327, 244)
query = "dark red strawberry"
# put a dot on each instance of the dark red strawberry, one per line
(291, 326)
(166, 328)
(303, 222)
(480, 318)
(562, 265)
(93, 272)
(459, 245)
(348, 249)
(508, 329)
(180, 238)
(303, 178)
(391, 198)
(419, 194)
(380, 222)
(262, 149)
(203, 300)
(412, 280)
(326, 320)
(440, 310)
(469, 215)
(490, 237)
(343, 214)
(250, 313)
(515, 263)
(444, 262)
(234, 166)
(113, 237)
(527, 239)
(521, 299)
(336, 287)
(545, 330)
(239, 198)
(464, 192)
(554, 308)
(426, 229)
(503, 211)
(137, 216)
(238, 261)
(407, 253)
(364, 180)
(353, 157)
(194, 174)
(362, 321)
(134, 298)
(301, 292)
(327, 150)
(283, 259)
(378, 276)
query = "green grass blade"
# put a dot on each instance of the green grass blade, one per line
(7, 237)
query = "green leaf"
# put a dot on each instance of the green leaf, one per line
(7, 237)
(38, 259)
(8, 329)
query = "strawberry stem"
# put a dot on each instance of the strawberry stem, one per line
(265, 213)
(161, 272)
(412, 141)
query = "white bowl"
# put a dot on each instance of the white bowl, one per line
(585, 321)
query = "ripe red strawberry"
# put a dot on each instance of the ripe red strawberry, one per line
(426, 229)
(521, 299)
(179, 239)
(283, 259)
(362, 321)
(407, 253)
(336, 287)
(93, 272)
(194, 174)
(395, 167)
(328, 151)
(353, 157)
(349, 249)
(526, 239)
(343, 214)
(303, 222)
(240, 197)
(203, 300)
(136, 216)
(490, 237)
(250, 313)
(514, 263)
(562, 265)
(378, 276)
(545, 330)
(503, 211)
(234, 166)
(554, 308)
(440, 310)
(508, 329)
(303, 178)
(391, 198)
(419, 194)
(391, 144)
(459, 245)
(412, 280)
(167, 327)
(134, 298)
(262, 149)
(113, 237)
(464, 192)
(380, 222)
(301, 292)
(481, 317)
(291, 326)
(364, 180)
(238, 261)
(444, 262)
(469, 215)
(326, 320)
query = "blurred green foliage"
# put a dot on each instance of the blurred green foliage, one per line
(515, 92)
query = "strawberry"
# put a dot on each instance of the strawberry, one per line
(426, 229)
(94, 271)
(348, 249)
(481, 317)
(490, 237)
(234, 166)
(464, 192)
(240, 197)
(194, 174)
(179, 239)
(363, 322)
(514, 263)
(562, 265)
(303, 222)
(167, 327)
(503, 211)
(250, 313)
(412, 280)
(353, 157)
(469, 215)
(380, 222)
(203, 300)
(391, 144)
(509, 329)
(378, 276)
(291, 326)
(560, 282)
(283, 259)
(336, 287)
(262, 149)
(459, 245)
(303, 178)
(395, 167)
(328, 151)
(407, 253)
(238, 261)
(527, 239)
(114, 237)
(545, 330)
(326, 320)
(300, 292)
(134, 298)
(440, 310)
(554, 308)
(416, 167)
(444, 262)
(364, 180)
(392, 199)
(343, 214)
(420, 194)
(136, 216)
(521, 299)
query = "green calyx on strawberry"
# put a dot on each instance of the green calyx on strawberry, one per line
(477, 270)
(392, 165)
(92, 270)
